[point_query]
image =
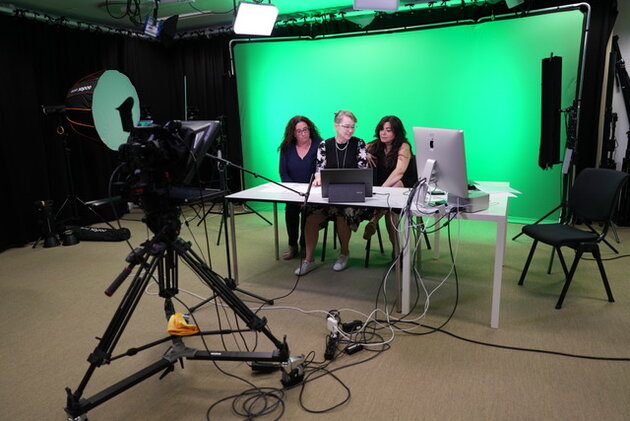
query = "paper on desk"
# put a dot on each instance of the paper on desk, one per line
(274, 188)
(497, 187)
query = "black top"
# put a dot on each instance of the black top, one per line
(295, 169)
(381, 172)
(330, 155)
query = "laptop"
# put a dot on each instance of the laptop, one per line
(346, 184)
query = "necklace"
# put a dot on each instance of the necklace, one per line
(341, 149)
(345, 152)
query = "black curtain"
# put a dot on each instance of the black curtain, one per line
(40, 63)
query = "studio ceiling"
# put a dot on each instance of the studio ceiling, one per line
(194, 15)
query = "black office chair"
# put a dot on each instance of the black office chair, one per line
(592, 201)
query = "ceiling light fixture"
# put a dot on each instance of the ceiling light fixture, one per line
(384, 5)
(255, 18)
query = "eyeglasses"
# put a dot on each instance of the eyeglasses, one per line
(347, 126)
(304, 130)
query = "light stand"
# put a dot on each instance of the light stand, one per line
(568, 168)
(162, 253)
(223, 185)
(49, 237)
(71, 199)
(225, 163)
(568, 175)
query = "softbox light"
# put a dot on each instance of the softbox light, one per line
(92, 107)
(384, 5)
(255, 18)
(513, 3)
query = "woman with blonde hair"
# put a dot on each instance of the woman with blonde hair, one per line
(341, 151)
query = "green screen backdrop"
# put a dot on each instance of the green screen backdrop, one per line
(482, 78)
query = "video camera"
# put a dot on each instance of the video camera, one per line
(157, 158)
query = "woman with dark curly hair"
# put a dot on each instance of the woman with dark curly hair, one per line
(298, 152)
(390, 156)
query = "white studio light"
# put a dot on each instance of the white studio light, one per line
(255, 18)
(384, 5)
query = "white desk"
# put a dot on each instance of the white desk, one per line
(497, 212)
(384, 197)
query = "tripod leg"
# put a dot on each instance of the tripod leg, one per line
(98, 215)
(220, 287)
(221, 228)
(613, 228)
(250, 210)
(542, 218)
(108, 341)
(205, 215)
(251, 294)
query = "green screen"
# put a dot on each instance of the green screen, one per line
(483, 78)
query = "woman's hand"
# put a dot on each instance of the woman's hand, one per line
(371, 160)
(317, 180)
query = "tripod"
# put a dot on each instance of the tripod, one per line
(72, 199)
(162, 254)
(223, 185)
(568, 167)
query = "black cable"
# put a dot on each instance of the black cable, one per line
(337, 405)
(202, 12)
(621, 256)
(321, 371)
(256, 393)
(247, 409)
(515, 348)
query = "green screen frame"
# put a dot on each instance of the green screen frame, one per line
(483, 78)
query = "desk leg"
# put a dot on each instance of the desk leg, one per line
(499, 255)
(275, 229)
(436, 240)
(233, 235)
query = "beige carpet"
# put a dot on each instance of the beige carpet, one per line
(53, 308)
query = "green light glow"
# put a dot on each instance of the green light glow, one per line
(483, 78)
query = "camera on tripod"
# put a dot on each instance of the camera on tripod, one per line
(158, 159)
(158, 163)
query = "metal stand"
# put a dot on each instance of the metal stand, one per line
(162, 253)
(72, 199)
(568, 168)
(49, 237)
(223, 183)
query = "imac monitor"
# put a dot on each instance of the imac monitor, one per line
(198, 137)
(342, 179)
(443, 149)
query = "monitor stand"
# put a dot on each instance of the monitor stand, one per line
(427, 173)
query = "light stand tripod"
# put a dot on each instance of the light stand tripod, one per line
(231, 281)
(568, 175)
(224, 186)
(162, 253)
(71, 199)
(567, 168)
